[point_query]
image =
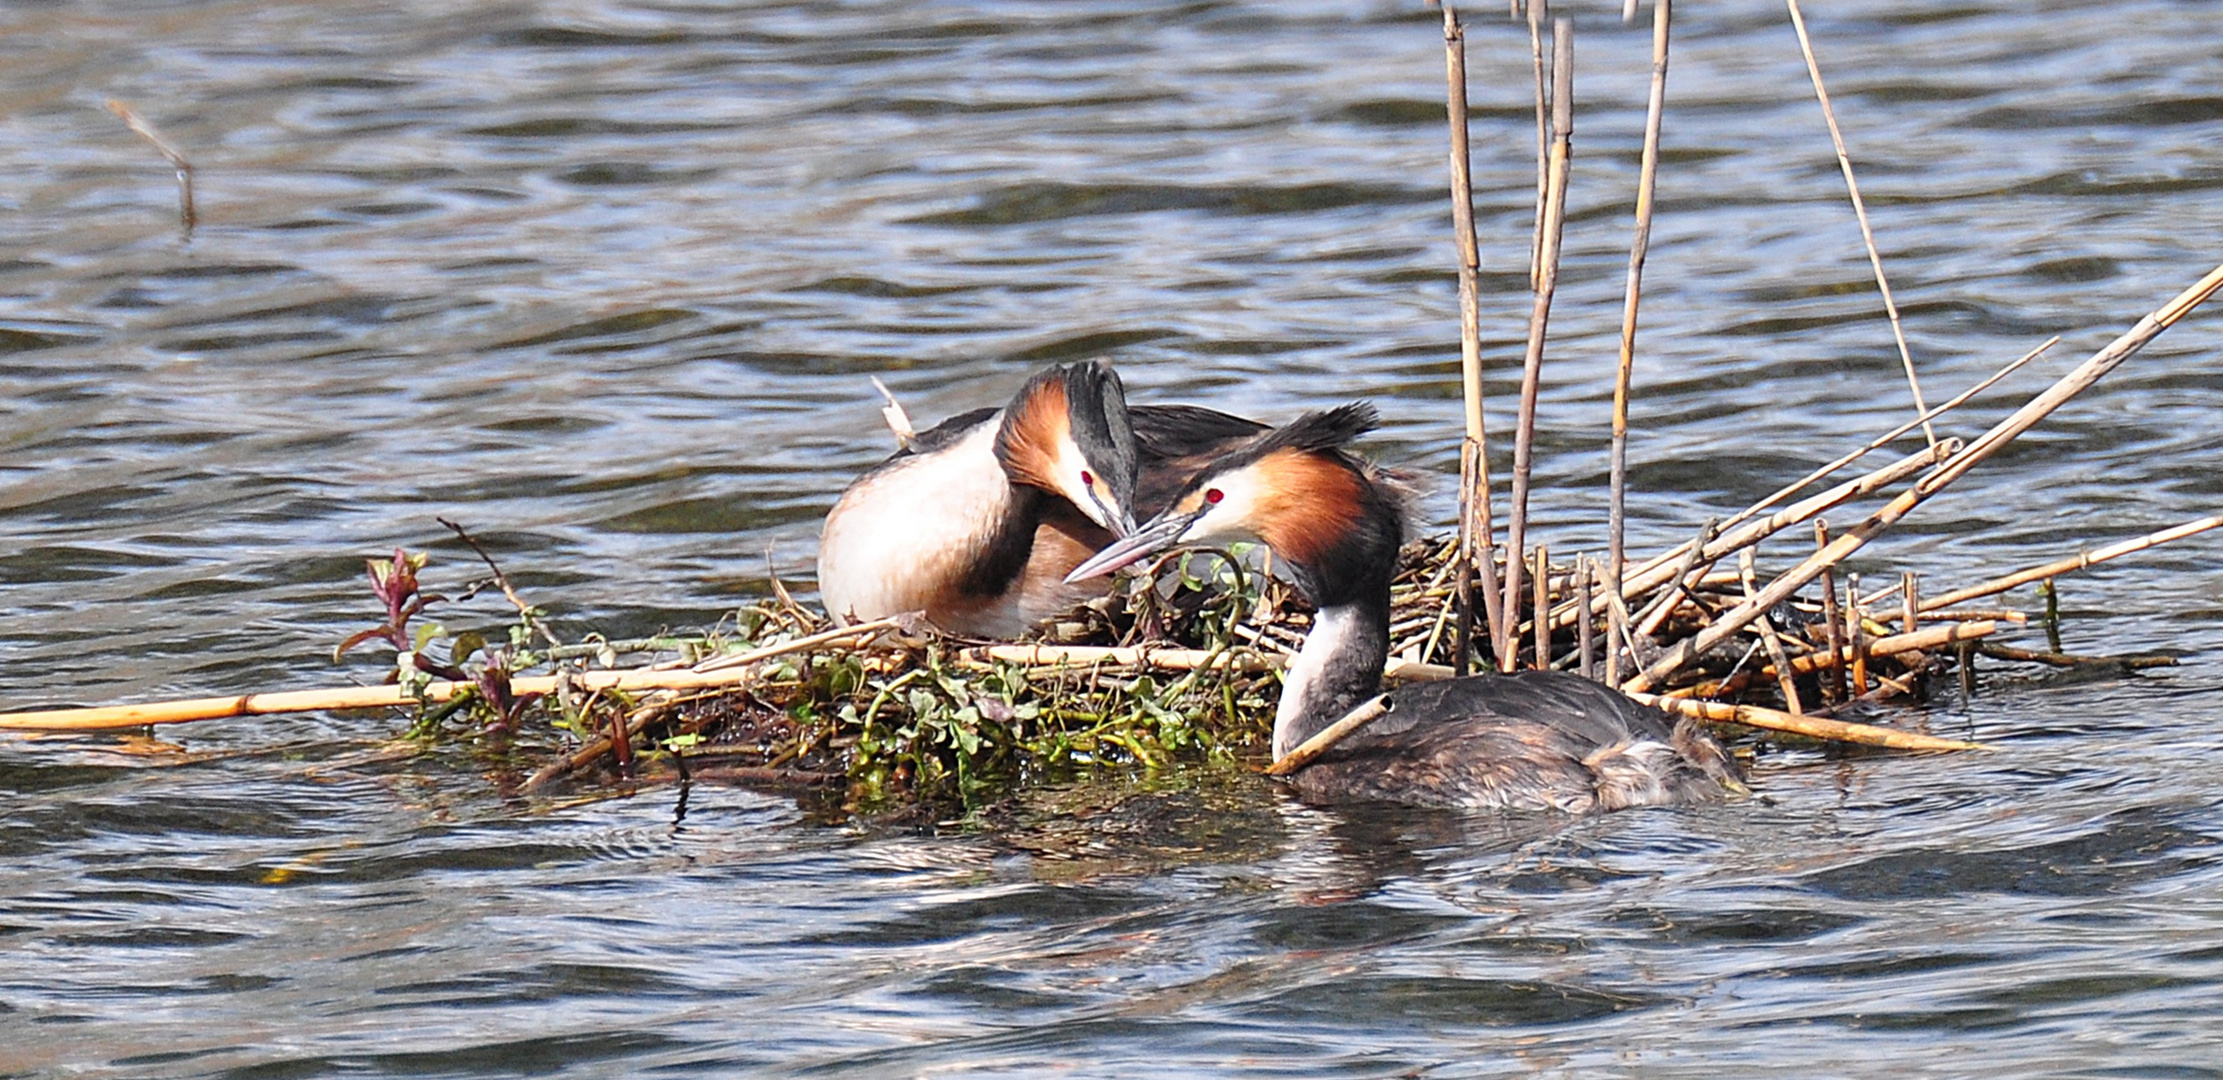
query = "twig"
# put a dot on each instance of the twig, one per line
(2023, 419)
(723, 672)
(2074, 562)
(524, 609)
(1524, 438)
(1860, 211)
(1811, 726)
(1641, 244)
(1365, 713)
(187, 217)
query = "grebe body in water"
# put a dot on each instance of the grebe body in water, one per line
(1531, 741)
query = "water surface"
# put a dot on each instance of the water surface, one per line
(604, 281)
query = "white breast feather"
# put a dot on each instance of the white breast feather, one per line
(899, 532)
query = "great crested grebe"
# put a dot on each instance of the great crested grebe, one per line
(979, 520)
(1537, 740)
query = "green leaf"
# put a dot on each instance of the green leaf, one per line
(466, 644)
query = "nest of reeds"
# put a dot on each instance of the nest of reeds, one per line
(1181, 665)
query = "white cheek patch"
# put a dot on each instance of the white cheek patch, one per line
(1234, 516)
(1070, 468)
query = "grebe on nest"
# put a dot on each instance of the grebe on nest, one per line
(978, 521)
(1536, 740)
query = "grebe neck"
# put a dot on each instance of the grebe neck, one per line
(1339, 666)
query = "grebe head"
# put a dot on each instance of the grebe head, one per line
(1330, 518)
(1066, 431)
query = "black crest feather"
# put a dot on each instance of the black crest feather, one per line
(1326, 429)
(1096, 402)
(1321, 431)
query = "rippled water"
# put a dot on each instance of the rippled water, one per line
(604, 281)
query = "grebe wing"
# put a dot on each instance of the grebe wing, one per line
(1507, 766)
(1170, 431)
(945, 433)
(1584, 710)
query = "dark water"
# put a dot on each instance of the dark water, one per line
(604, 281)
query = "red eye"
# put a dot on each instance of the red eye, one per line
(1088, 479)
(1214, 495)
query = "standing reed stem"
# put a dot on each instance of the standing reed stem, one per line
(1639, 246)
(1860, 211)
(1476, 531)
(1555, 217)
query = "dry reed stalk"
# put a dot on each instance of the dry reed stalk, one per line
(1833, 626)
(1477, 537)
(1532, 366)
(1639, 246)
(1909, 601)
(2023, 419)
(187, 216)
(1811, 726)
(1881, 595)
(1687, 577)
(723, 672)
(1585, 626)
(1975, 615)
(1539, 13)
(1784, 679)
(1856, 632)
(1617, 637)
(1365, 713)
(1923, 640)
(2074, 562)
(1784, 492)
(1860, 211)
(1543, 603)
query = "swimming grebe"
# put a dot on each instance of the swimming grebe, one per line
(979, 520)
(1537, 740)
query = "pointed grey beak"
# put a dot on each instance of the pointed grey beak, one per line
(1164, 531)
(1121, 522)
